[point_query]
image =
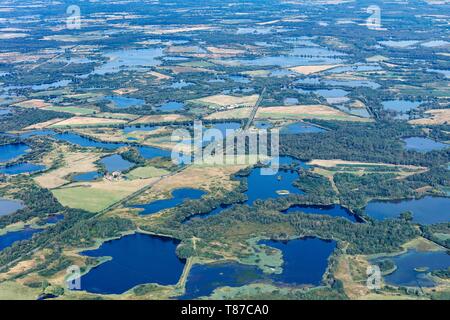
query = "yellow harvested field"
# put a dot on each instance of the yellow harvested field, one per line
(87, 121)
(306, 70)
(436, 117)
(225, 51)
(158, 75)
(288, 113)
(125, 91)
(223, 100)
(337, 162)
(43, 125)
(33, 103)
(161, 118)
(74, 162)
(180, 29)
(99, 195)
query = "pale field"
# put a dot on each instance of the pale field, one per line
(146, 172)
(87, 121)
(289, 113)
(307, 70)
(161, 118)
(98, 195)
(161, 31)
(166, 143)
(74, 162)
(12, 35)
(110, 115)
(182, 49)
(305, 112)
(33, 103)
(43, 125)
(437, 117)
(257, 73)
(158, 75)
(123, 91)
(74, 110)
(225, 51)
(336, 162)
(10, 290)
(226, 100)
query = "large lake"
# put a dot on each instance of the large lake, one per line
(410, 264)
(423, 144)
(9, 206)
(11, 151)
(136, 259)
(427, 210)
(178, 197)
(8, 239)
(304, 263)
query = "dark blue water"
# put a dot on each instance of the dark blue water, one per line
(178, 197)
(172, 106)
(116, 163)
(423, 144)
(427, 210)
(20, 168)
(125, 102)
(4, 111)
(9, 238)
(86, 142)
(129, 129)
(9, 206)
(300, 127)
(406, 263)
(136, 259)
(266, 187)
(37, 133)
(53, 219)
(152, 152)
(88, 176)
(12, 151)
(203, 279)
(400, 105)
(305, 260)
(332, 210)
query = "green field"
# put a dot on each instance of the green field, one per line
(146, 172)
(74, 110)
(89, 199)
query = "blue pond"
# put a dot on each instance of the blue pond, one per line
(427, 210)
(178, 197)
(9, 238)
(400, 105)
(332, 210)
(12, 151)
(204, 279)
(407, 273)
(116, 163)
(88, 176)
(20, 168)
(423, 144)
(172, 106)
(136, 259)
(86, 142)
(264, 187)
(152, 152)
(305, 262)
(125, 102)
(129, 129)
(9, 206)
